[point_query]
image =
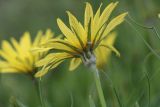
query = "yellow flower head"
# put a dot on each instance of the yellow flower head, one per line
(82, 42)
(16, 57)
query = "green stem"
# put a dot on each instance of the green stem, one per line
(98, 85)
(39, 91)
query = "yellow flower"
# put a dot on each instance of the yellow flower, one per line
(17, 56)
(83, 42)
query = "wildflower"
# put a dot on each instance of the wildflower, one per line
(17, 56)
(83, 43)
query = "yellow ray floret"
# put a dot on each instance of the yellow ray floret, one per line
(17, 56)
(81, 40)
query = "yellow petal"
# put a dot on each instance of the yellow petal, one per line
(46, 69)
(68, 33)
(51, 58)
(101, 56)
(75, 62)
(16, 45)
(25, 41)
(114, 23)
(102, 53)
(9, 70)
(87, 15)
(95, 21)
(46, 60)
(8, 49)
(22, 52)
(97, 15)
(110, 47)
(11, 63)
(55, 60)
(77, 27)
(65, 30)
(61, 45)
(37, 49)
(38, 38)
(110, 39)
(42, 72)
(97, 24)
(48, 35)
(26, 44)
(106, 13)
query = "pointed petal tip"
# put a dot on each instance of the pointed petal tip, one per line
(125, 14)
(117, 2)
(87, 3)
(41, 73)
(58, 19)
(40, 31)
(26, 33)
(101, 4)
(68, 12)
(3, 42)
(37, 75)
(49, 30)
(118, 54)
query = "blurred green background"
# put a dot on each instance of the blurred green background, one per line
(61, 87)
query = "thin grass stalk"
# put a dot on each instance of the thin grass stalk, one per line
(117, 96)
(114, 89)
(139, 34)
(145, 27)
(72, 101)
(149, 89)
(148, 77)
(38, 86)
(148, 45)
(144, 65)
(154, 52)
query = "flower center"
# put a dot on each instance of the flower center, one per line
(88, 56)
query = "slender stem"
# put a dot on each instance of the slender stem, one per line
(37, 83)
(72, 101)
(149, 88)
(98, 85)
(38, 86)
